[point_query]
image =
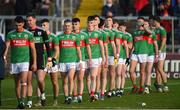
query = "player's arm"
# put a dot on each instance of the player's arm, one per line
(46, 42)
(163, 42)
(102, 50)
(117, 47)
(6, 50)
(126, 48)
(33, 53)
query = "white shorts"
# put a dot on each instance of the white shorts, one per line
(121, 61)
(84, 65)
(162, 56)
(111, 60)
(52, 69)
(16, 68)
(96, 62)
(65, 67)
(141, 58)
(150, 58)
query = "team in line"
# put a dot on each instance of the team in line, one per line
(99, 52)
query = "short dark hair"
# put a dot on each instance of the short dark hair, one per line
(67, 21)
(109, 17)
(90, 18)
(102, 22)
(140, 17)
(19, 19)
(96, 16)
(157, 18)
(75, 20)
(31, 15)
(151, 17)
(122, 23)
(44, 20)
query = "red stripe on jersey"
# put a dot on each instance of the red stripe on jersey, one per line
(93, 41)
(120, 40)
(149, 39)
(158, 36)
(67, 44)
(138, 38)
(19, 42)
(82, 43)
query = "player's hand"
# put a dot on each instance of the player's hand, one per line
(54, 62)
(49, 63)
(34, 67)
(90, 62)
(80, 64)
(127, 61)
(106, 64)
(103, 62)
(115, 61)
(156, 58)
(5, 60)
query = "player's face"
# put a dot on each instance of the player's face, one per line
(146, 24)
(68, 27)
(109, 22)
(122, 28)
(156, 23)
(31, 21)
(91, 25)
(45, 26)
(96, 21)
(76, 25)
(115, 25)
(19, 26)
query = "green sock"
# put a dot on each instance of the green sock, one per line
(29, 98)
(55, 97)
(66, 97)
(19, 100)
(165, 84)
(23, 99)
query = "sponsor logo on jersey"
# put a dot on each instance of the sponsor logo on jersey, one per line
(93, 40)
(39, 33)
(82, 43)
(67, 43)
(20, 42)
(138, 38)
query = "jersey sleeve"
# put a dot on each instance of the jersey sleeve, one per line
(129, 38)
(8, 38)
(55, 40)
(163, 32)
(154, 37)
(31, 39)
(77, 40)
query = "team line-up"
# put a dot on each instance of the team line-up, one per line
(100, 51)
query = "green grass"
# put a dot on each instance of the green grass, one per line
(128, 101)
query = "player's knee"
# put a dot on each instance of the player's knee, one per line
(23, 83)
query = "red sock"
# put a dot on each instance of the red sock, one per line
(92, 93)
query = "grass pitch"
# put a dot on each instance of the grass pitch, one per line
(153, 100)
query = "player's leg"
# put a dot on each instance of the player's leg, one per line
(163, 75)
(123, 72)
(17, 88)
(80, 84)
(40, 74)
(158, 82)
(104, 82)
(88, 80)
(118, 77)
(71, 73)
(112, 80)
(94, 72)
(98, 83)
(132, 72)
(29, 89)
(54, 80)
(148, 77)
(75, 93)
(65, 86)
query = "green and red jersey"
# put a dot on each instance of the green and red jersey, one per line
(110, 38)
(20, 45)
(140, 42)
(122, 37)
(93, 39)
(83, 38)
(67, 45)
(151, 38)
(160, 33)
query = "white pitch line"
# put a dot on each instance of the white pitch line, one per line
(9, 99)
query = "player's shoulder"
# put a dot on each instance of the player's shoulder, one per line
(12, 31)
(40, 29)
(28, 32)
(162, 28)
(52, 34)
